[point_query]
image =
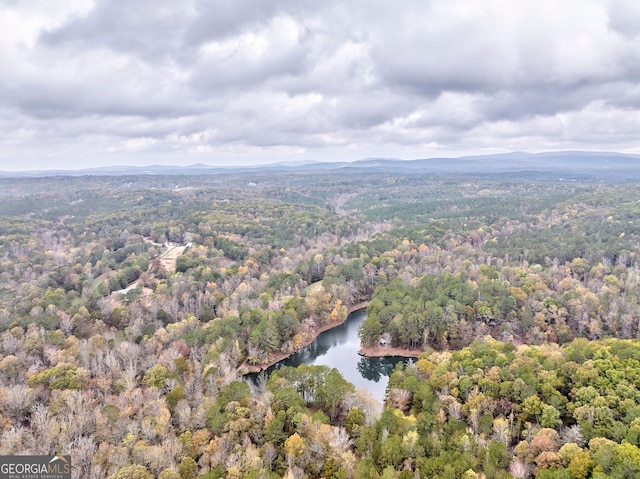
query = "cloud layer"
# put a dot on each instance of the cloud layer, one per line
(246, 81)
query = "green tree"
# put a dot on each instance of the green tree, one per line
(580, 465)
(188, 468)
(334, 390)
(169, 474)
(174, 396)
(550, 417)
(132, 472)
(156, 376)
(370, 331)
(355, 422)
(626, 462)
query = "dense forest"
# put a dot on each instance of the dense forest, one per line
(131, 307)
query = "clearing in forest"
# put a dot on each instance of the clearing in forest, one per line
(169, 258)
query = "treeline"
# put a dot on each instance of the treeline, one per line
(595, 226)
(527, 303)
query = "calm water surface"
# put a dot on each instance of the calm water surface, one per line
(338, 348)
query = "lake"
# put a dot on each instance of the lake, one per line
(338, 348)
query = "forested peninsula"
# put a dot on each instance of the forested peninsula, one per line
(131, 306)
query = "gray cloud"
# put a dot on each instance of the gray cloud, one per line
(150, 29)
(624, 17)
(248, 80)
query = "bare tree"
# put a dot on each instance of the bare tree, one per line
(43, 427)
(16, 401)
(83, 449)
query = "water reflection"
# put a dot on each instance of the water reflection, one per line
(373, 369)
(369, 369)
(338, 348)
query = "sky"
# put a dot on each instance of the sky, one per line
(87, 83)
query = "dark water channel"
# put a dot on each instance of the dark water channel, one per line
(338, 348)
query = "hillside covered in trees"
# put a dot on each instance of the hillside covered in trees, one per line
(131, 306)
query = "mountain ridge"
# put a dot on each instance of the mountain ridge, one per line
(573, 161)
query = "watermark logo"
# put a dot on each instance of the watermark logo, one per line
(35, 467)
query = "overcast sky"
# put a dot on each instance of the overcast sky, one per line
(104, 82)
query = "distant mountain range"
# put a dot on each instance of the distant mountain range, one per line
(574, 162)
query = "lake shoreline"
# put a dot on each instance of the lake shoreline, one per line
(389, 351)
(311, 336)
